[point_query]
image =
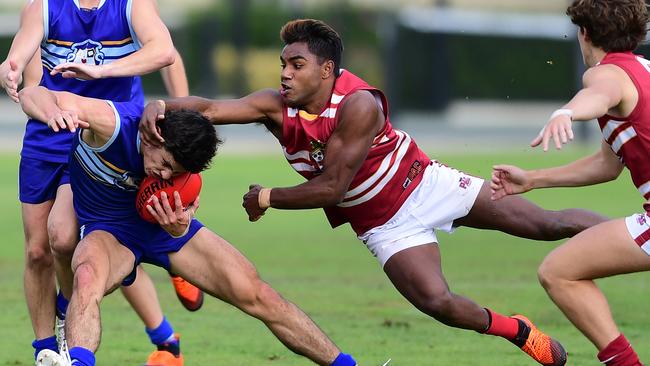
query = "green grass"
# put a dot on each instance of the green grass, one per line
(336, 281)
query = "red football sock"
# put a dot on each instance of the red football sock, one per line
(502, 326)
(619, 353)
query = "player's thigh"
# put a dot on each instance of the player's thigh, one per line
(416, 272)
(603, 250)
(35, 223)
(104, 261)
(62, 222)
(509, 214)
(214, 265)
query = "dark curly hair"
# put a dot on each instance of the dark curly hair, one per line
(190, 138)
(322, 40)
(613, 25)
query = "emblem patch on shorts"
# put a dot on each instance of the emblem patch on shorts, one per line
(464, 182)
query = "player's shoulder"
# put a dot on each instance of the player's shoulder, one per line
(604, 73)
(359, 101)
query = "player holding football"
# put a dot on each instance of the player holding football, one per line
(101, 43)
(616, 91)
(334, 130)
(107, 163)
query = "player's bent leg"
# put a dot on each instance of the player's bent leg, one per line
(143, 298)
(100, 263)
(63, 233)
(567, 273)
(517, 216)
(39, 280)
(416, 273)
(215, 266)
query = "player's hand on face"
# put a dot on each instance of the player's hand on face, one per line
(79, 71)
(507, 180)
(176, 222)
(10, 78)
(149, 133)
(66, 120)
(251, 203)
(558, 129)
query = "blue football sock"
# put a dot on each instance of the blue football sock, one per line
(163, 334)
(344, 360)
(61, 305)
(45, 343)
(82, 357)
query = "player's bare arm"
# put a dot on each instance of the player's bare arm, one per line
(346, 150)
(174, 77)
(602, 166)
(63, 110)
(607, 89)
(23, 48)
(264, 106)
(157, 49)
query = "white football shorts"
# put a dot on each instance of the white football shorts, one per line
(444, 195)
(638, 226)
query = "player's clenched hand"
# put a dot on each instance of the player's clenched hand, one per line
(558, 129)
(176, 222)
(252, 204)
(149, 133)
(65, 120)
(10, 78)
(79, 71)
(508, 179)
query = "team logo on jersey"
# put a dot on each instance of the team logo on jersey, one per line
(128, 182)
(464, 182)
(416, 168)
(86, 52)
(317, 152)
(641, 219)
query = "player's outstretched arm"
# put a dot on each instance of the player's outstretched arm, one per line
(23, 48)
(347, 149)
(264, 106)
(63, 110)
(157, 49)
(602, 166)
(603, 90)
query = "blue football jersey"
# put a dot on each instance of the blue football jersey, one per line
(93, 36)
(105, 180)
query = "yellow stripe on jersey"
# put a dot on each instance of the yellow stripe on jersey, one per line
(307, 116)
(60, 43)
(117, 43)
(109, 165)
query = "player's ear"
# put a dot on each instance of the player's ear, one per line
(327, 69)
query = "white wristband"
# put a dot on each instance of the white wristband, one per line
(187, 230)
(562, 112)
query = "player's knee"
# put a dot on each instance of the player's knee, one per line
(259, 300)
(38, 254)
(63, 239)
(86, 280)
(438, 304)
(547, 275)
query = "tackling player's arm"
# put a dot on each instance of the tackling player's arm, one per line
(24, 46)
(264, 106)
(346, 151)
(602, 166)
(157, 49)
(607, 88)
(63, 110)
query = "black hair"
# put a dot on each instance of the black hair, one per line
(190, 138)
(322, 40)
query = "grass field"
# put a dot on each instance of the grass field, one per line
(335, 280)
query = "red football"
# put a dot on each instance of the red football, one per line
(188, 186)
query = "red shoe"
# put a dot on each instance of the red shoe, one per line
(542, 348)
(189, 295)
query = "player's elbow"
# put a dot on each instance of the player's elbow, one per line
(335, 195)
(167, 57)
